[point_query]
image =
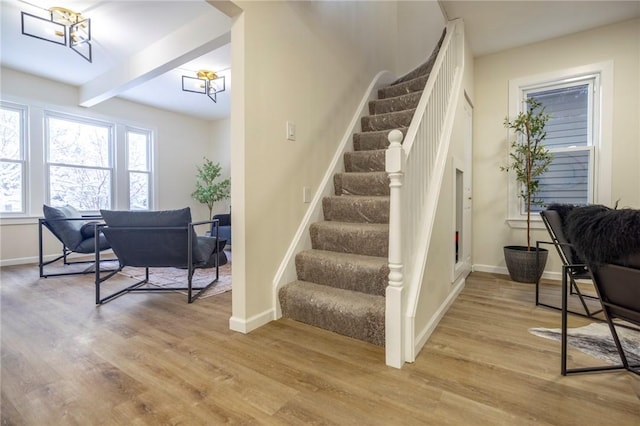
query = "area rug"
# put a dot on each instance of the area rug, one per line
(175, 277)
(595, 340)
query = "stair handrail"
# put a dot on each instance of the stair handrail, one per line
(416, 169)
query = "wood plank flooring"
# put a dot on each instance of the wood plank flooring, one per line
(153, 359)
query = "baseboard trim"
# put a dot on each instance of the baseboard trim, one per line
(427, 331)
(248, 325)
(501, 270)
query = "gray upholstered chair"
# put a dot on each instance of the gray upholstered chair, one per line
(152, 239)
(224, 223)
(76, 233)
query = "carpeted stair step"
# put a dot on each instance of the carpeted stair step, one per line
(365, 141)
(366, 274)
(399, 103)
(388, 121)
(365, 161)
(369, 239)
(361, 183)
(356, 208)
(403, 88)
(354, 314)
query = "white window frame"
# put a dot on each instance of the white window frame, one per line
(149, 135)
(601, 128)
(23, 110)
(82, 120)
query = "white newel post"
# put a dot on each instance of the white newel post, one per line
(394, 312)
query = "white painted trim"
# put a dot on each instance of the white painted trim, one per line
(33, 260)
(502, 270)
(286, 272)
(250, 324)
(427, 331)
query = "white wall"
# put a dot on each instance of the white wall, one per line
(420, 25)
(180, 143)
(619, 43)
(221, 153)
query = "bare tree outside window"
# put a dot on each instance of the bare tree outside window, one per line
(79, 163)
(139, 166)
(11, 159)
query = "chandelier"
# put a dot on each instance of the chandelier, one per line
(60, 26)
(206, 83)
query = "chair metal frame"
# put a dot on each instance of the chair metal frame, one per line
(193, 293)
(608, 307)
(572, 271)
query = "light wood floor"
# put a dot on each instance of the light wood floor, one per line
(152, 359)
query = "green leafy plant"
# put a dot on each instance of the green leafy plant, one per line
(208, 191)
(529, 158)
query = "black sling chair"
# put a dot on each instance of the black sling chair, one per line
(152, 239)
(573, 267)
(609, 242)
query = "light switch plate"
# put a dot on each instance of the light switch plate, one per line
(291, 131)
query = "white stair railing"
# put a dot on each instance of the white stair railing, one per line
(416, 168)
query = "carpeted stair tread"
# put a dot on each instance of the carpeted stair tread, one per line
(356, 208)
(366, 274)
(365, 161)
(354, 314)
(361, 183)
(369, 239)
(403, 88)
(399, 103)
(388, 121)
(366, 141)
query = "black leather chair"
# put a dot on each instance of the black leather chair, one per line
(609, 241)
(574, 267)
(151, 239)
(76, 233)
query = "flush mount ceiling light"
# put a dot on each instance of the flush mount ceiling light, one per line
(60, 26)
(206, 83)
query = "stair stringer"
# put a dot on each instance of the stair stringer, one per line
(286, 272)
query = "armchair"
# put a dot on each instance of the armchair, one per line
(151, 239)
(554, 219)
(77, 234)
(609, 241)
(224, 221)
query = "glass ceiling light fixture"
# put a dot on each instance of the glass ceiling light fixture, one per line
(59, 27)
(206, 83)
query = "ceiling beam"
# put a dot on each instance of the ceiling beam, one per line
(189, 42)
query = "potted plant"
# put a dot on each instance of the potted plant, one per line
(529, 159)
(208, 191)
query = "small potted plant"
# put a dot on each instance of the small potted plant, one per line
(208, 191)
(529, 159)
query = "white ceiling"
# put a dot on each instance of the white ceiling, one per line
(120, 30)
(123, 32)
(492, 26)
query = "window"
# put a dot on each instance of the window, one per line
(12, 158)
(79, 162)
(579, 134)
(139, 168)
(569, 179)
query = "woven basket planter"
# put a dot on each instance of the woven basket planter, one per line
(525, 266)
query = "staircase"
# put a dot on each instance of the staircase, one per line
(342, 278)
